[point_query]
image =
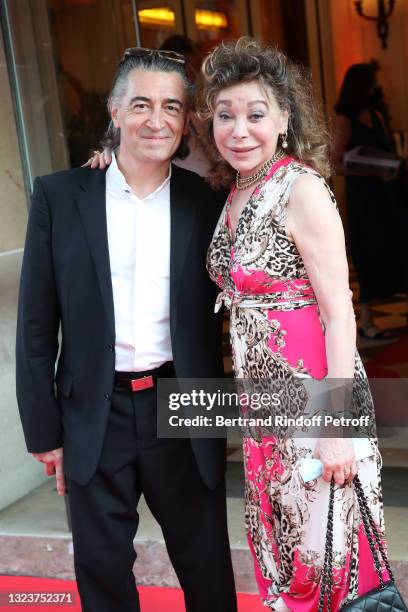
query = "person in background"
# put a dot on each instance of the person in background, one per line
(197, 159)
(373, 196)
(189, 49)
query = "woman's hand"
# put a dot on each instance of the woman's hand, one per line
(338, 458)
(99, 160)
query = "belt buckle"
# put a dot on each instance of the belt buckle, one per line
(139, 384)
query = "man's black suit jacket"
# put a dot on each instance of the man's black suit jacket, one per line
(66, 285)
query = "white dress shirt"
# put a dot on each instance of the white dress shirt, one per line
(139, 252)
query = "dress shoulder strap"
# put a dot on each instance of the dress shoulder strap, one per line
(283, 182)
(298, 169)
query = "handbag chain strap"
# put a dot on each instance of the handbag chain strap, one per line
(368, 521)
(327, 572)
(370, 530)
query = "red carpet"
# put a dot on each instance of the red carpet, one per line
(388, 373)
(386, 362)
(152, 599)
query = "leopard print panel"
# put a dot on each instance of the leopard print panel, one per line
(261, 241)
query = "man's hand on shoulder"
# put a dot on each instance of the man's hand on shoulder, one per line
(53, 464)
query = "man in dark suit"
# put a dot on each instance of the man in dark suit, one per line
(116, 261)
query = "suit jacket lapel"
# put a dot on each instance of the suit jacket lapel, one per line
(182, 217)
(92, 206)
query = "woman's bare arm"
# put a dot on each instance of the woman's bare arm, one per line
(315, 226)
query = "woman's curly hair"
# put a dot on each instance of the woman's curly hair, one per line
(246, 60)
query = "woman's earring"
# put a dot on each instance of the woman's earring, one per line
(284, 142)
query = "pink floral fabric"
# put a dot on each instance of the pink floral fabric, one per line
(276, 332)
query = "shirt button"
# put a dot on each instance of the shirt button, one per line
(107, 396)
(111, 347)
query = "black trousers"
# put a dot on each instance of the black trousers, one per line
(105, 520)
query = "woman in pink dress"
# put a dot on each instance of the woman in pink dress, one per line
(278, 256)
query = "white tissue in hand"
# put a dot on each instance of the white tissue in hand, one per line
(311, 468)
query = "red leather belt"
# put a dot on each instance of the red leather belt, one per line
(140, 381)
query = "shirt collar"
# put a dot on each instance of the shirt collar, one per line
(115, 175)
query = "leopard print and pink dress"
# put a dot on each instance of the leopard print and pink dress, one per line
(276, 332)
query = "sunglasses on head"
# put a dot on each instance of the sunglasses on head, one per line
(142, 52)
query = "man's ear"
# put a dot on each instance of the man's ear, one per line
(114, 115)
(186, 128)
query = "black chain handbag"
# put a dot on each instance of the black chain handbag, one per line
(386, 597)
